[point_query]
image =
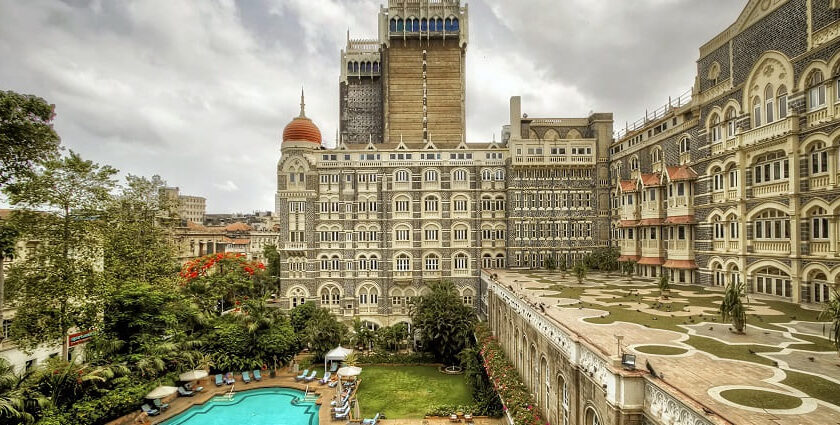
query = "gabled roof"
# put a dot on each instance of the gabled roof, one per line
(238, 227)
(628, 185)
(682, 172)
(650, 179)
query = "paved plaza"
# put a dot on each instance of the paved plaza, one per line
(784, 365)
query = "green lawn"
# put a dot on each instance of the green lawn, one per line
(408, 391)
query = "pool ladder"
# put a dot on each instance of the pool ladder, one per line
(309, 397)
(230, 393)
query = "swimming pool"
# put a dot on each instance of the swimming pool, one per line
(266, 406)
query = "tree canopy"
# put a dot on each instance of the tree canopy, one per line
(445, 324)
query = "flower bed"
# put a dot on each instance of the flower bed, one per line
(515, 396)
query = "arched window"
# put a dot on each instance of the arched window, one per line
(772, 225)
(460, 204)
(431, 262)
(772, 281)
(719, 229)
(439, 24)
(816, 91)
(431, 176)
(781, 99)
(393, 26)
(500, 260)
(771, 167)
(467, 297)
(487, 261)
(297, 296)
(730, 122)
(756, 112)
(656, 155)
(424, 25)
(819, 223)
(368, 295)
(819, 158)
(769, 103)
(403, 263)
(462, 261)
(402, 176)
(486, 175)
(634, 164)
(714, 128)
(820, 288)
(500, 175)
(349, 66)
(448, 24)
(400, 25)
(335, 262)
(431, 233)
(460, 232)
(455, 26)
(330, 295)
(431, 203)
(719, 275)
(459, 175)
(717, 179)
(402, 233)
(685, 145)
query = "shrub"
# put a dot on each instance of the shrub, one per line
(395, 358)
(448, 409)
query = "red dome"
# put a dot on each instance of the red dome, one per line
(302, 129)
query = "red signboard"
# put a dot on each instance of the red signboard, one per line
(79, 338)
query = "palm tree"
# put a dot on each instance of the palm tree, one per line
(732, 308)
(580, 271)
(664, 286)
(832, 314)
(15, 405)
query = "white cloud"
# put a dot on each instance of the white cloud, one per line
(227, 186)
(199, 92)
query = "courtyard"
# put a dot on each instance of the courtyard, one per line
(408, 392)
(783, 364)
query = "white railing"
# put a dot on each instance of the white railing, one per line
(734, 245)
(771, 189)
(678, 244)
(678, 202)
(719, 245)
(817, 117)
(718, 197)
(820, 247)
(295, 246)
(769, 131)
(818, 182)
(651, 244)
(681, 100)
(777, 247)
(732, 194)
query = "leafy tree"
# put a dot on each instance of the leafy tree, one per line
(61, 287)
(273, 260)
(580, 271)
(391, 337)
(550, 263)
(664, 286)
(732, 308)
(8, 238)
(300, 316)
(139, 312)
(362, 336)
(27, 137)
(278, 342)
(444, 323)
(562, 264)
(484, 395)
(832, 314)
(323, 332)
(138, 244)
(604, 259)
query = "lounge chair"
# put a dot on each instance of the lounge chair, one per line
(333, 384)
(325, 379)
(340, 408)
(334, 367)
(219, 380)
(246, 377)
(183, 392)
(371, 421)
(189, 387)
(149, 411)
(229, 379)
(257, 375)
(454, 418)
(311, 376)
(468, 418)
(302, 376)
(343, 414)
(160, 405)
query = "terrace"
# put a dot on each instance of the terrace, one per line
(783, 368)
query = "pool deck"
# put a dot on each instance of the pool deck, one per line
(284, 379)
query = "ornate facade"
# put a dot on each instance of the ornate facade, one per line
(740, 181)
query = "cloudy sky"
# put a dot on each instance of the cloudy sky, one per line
(199, 91)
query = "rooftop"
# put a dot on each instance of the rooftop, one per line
(784, 370)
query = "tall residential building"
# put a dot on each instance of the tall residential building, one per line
(409, 84)
(192, 208)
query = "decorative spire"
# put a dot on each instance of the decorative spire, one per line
(302, 104)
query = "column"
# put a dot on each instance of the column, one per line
(832, 233)
(832, 167)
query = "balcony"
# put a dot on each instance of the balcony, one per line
(718, 196)
(769, 131)
(820, 248)
(734, 245)
(771, 247)
(719, 246)
(629, 212)
(732, 194)
(460, 272)
(402, 274)
(369, 309)
(432, 274)
(678, 245)
(817, 117)
(818, 182)
(771, 189)
(294, 246)
(460, 243)
(652, 209)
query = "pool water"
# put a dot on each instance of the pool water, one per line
(266, 406)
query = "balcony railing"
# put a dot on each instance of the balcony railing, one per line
(775, 247)
(732, 194)
(772, 189)
(294, 246)
(818, 182)
(678, 202)
(817, 117)
(769, 131)
(719, 245)
(651, 244)
(820, 248)
(718, 197)
(734, 245)
(678, 244)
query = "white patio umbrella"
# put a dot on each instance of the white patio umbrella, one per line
(161, 392)
(345, 372)
(193, 375)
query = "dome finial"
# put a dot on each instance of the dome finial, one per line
(302, 104)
